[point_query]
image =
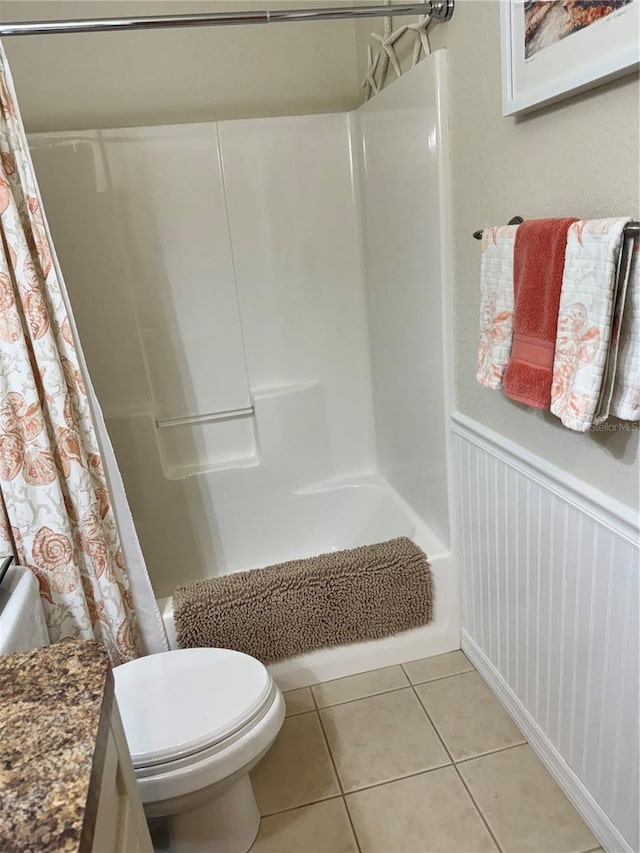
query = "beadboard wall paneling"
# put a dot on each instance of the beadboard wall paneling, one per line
(550, 616)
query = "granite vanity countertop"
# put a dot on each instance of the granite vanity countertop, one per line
(55, 711)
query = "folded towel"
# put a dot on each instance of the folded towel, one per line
(595, 269)
(625, 403)
(538, 265)
(496, 305)
(606, 392)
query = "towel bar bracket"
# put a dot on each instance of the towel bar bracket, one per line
(515, 220)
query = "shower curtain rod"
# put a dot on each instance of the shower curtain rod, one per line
(441, 10)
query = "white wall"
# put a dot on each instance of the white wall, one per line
(71, 82)
(580, 157)
(549, 594)
(404, 223)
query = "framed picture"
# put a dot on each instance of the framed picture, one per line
(555, 48)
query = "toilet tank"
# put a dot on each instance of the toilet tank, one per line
(22, 623)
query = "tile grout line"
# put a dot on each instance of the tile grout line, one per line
(398, 779)
(475, 803)
(391, 782)
(335, 770)
(368, 695)
(450, 763)
(491, 752)
(455, 767)
(438, 677)
(301, 806)
(359, 698)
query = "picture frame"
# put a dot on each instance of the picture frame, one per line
(557, 48)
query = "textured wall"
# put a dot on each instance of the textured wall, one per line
(579, 157)
(72, 82)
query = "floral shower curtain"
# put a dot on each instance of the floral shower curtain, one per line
(60, 513)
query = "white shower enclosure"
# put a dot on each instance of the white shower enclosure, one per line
(263, 306)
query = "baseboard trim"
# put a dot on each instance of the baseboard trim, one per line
(591, 812)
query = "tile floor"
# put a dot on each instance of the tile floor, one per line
(408, 759)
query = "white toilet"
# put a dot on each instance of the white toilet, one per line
(197, 721)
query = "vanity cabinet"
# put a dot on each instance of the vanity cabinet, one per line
(120, 825)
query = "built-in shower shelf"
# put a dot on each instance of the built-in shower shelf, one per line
(209, 442)
(183, 472)
(193, 420)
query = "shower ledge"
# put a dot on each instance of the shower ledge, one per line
(283, 415)
(279, 390)
(183, 472)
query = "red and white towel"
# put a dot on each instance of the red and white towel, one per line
(560, 318)
(496, 307)
(594, 283)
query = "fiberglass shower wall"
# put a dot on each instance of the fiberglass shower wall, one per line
(403, 203)
(249, 293)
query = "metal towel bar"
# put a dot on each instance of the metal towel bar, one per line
(632, 229)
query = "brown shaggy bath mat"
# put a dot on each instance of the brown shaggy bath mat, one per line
(290, 608)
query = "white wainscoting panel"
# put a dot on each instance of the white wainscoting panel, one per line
(550, 617)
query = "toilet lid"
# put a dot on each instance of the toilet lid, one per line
(177, 703)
